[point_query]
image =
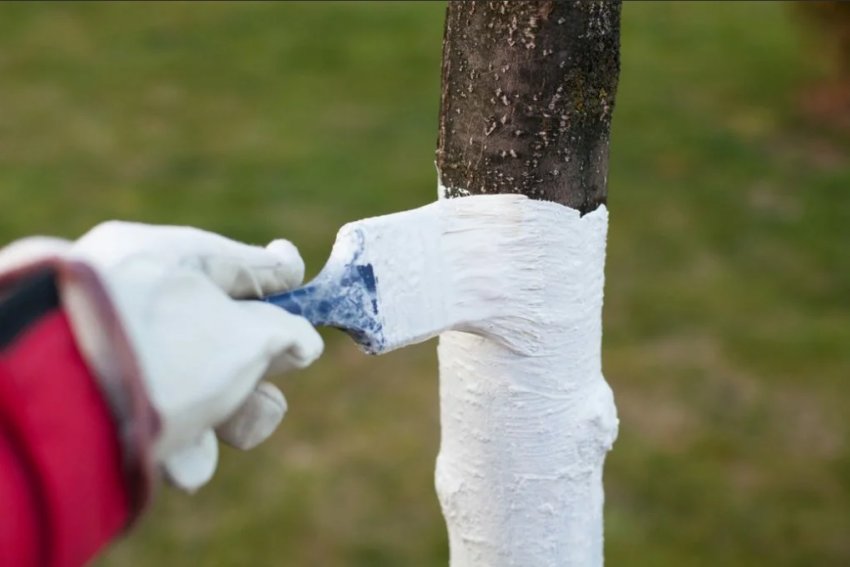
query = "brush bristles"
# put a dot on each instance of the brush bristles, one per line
(473, 264)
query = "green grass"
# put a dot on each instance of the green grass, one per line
(727, 301)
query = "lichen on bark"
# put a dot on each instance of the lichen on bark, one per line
(527, 96)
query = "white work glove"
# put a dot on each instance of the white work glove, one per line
(182, 298)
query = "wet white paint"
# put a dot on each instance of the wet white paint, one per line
(471, 263)
(526, 414)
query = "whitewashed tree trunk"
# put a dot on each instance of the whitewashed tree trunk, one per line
(528, 91)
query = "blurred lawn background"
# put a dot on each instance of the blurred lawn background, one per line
(727, 316)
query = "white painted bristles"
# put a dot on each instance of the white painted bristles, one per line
(473, 263)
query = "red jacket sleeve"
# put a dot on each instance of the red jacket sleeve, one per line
(62, 489)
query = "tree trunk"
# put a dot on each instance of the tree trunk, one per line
(527, 95)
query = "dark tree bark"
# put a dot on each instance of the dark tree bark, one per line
(527, 95)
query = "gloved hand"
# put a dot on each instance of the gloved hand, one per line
(201, 354)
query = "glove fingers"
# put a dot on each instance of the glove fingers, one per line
(291, 341)
(256, 419)
(245, 271)
(251, 341)
(241, 270)
(193, 465)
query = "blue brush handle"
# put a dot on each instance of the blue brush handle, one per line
(344, 298)
(311, 302)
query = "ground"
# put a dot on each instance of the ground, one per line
(727, 319)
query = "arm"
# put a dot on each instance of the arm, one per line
(61, 480)
(127, 354)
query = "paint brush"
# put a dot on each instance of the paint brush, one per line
(376, 266)
(403, 278)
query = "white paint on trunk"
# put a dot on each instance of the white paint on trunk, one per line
(515, 286)
(526, 414)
